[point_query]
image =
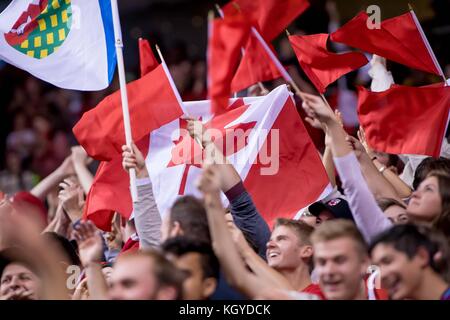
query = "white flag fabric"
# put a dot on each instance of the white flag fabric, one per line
(266, 141)
(68, 43)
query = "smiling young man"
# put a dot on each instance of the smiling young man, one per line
(341, 261)
(289, 251)
(406, 257)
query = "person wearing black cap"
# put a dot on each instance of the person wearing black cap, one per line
(333, 209)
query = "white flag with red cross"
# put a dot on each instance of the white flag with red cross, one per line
(266, 141)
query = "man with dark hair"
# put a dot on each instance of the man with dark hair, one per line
(199, 263)
(406, 257)
(186, 214)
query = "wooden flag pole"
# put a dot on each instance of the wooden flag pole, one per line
(123, 92)
(221, 14)
(427, 44)
(174, 88)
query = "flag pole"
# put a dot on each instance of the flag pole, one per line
(123, 92)
(277, 62)
(427, 44)
(174, 88)
(221, 14)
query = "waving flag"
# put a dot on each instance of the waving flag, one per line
(266, 141)
(270, 17)
(322, 66)
(110, 191)
(398, 39)
(152, 104)
(226, 38)
(68, 43)
(147, 59)
(175, 159)
(405, 120)
(256, 67)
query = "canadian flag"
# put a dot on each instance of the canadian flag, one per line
(266, 141)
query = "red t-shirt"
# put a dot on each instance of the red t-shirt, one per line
(130, 245)
(314, 289)
(380, 294)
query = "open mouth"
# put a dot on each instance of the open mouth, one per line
(332, 285)
(272, 254)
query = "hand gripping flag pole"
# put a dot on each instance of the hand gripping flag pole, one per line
(123, 91)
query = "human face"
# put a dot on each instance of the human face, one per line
(195, 286)
(324, 216)
(19, 283)
(426, 202)
(284, 250)
(340, 267)
(396, 214)
(309, 220)
(400, 276)
(133, 279)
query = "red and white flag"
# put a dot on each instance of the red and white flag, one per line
(266, 141)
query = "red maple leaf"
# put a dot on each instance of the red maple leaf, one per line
(187, 152)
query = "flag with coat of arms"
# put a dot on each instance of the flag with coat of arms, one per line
(68, 43)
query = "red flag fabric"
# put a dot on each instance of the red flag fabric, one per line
(227, 36)
(322, 66)
(110, 192)
(256, 66)
(152, 104)
(398, 40)
(270, 17)
(147, 60)
(405, 120)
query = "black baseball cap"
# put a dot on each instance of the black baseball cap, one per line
(338, 207)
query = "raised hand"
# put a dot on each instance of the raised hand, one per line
(17, 294)
(71, 198)
(90, 245)
(66, 168)
(317, 111)
(197, 131)
(134, 160)
(357, 147)
(80, 156)
(362, 139)
(210, 180)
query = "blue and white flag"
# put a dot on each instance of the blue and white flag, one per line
(68, 43)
